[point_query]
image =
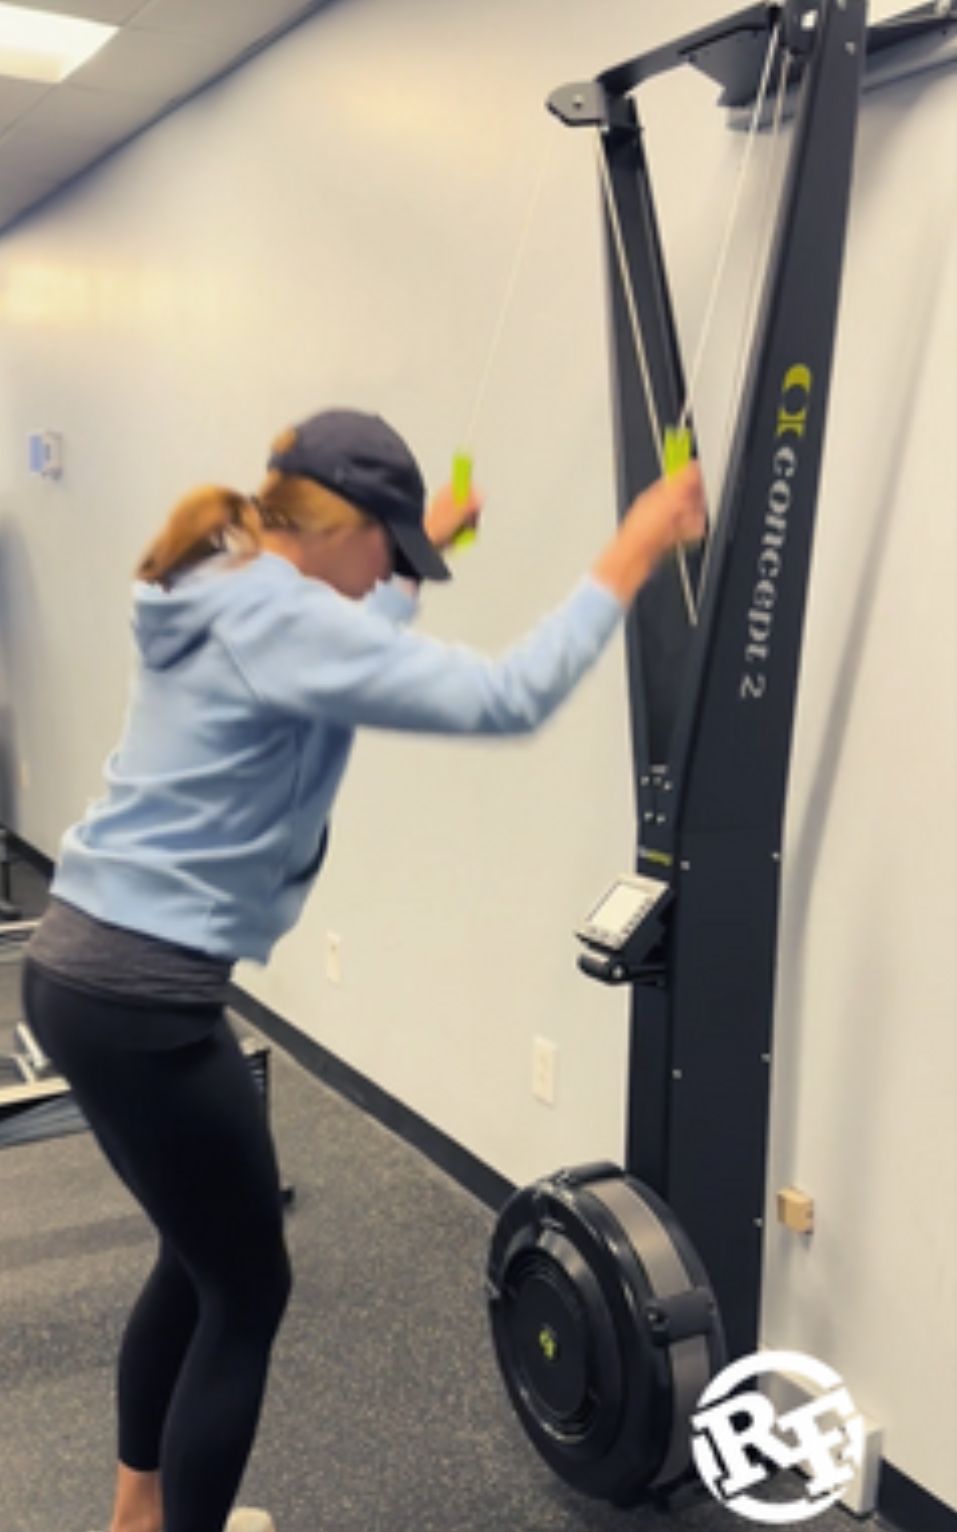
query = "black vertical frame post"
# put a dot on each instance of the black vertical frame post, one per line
(657, 629)
(647, 396)
(733, 738)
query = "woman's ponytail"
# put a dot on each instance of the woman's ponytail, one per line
(204, 522)
(211, 519)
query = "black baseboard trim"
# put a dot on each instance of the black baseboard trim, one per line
(903, 1506)
(465, 1168)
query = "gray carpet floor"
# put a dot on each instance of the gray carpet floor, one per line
(385, 1412)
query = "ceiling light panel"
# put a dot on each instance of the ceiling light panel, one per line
(116, 12)
(46, 46)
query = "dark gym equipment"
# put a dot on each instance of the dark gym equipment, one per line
(36, 1102)
(595, 1343)
(606, 1329)
(8, 910)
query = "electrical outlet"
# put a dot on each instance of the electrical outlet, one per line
(544, 1060)
(333, 957)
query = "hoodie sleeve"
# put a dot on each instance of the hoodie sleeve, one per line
(314, 653)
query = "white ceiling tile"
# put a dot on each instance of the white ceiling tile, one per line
(97, 116)
(17, 97)
(165, 50)
(222, 18)
(113, 12)
(67, 158)
(157, 65)
(14, 198)
(25, 162)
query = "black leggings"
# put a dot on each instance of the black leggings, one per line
(185, 1128)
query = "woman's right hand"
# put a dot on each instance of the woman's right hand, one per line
(670, 512)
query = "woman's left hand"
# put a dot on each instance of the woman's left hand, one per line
(446, 517)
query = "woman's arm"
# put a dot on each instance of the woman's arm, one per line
(309, 652)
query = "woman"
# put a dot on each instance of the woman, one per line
(269, 627)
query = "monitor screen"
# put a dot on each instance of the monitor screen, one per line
(618, 907)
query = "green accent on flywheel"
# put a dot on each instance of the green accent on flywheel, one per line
(548, 1343)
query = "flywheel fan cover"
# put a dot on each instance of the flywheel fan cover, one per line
(588, 1272)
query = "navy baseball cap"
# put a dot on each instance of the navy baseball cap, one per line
(362, 459)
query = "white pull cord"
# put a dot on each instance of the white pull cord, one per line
(618, 243)
(731, 225)
(641, 354)
(754, 286)
(510, 285)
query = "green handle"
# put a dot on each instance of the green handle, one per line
(676, 449)
(461, 489)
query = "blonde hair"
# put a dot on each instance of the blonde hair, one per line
(212, 519)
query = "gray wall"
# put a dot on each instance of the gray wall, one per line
(336, 223)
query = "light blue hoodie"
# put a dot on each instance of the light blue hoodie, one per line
(251, 684)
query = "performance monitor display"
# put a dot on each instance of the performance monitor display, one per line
(628, 902)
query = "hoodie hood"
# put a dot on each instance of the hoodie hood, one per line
(169, 623)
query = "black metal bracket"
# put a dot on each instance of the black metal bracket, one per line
(681, 1316)
(589, 104)
(731, 53)
(737, 39)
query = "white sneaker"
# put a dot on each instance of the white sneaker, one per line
(250, 1521)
